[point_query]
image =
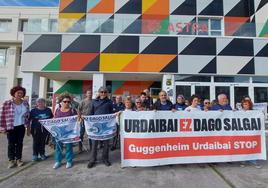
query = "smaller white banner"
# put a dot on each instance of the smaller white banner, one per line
(65, 130)
(100, 127)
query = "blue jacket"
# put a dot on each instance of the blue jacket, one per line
(118, 107)
(220, 107)
(101, 106)
(159, 106)
(180, 106)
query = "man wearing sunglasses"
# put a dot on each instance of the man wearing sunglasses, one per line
(101, 105)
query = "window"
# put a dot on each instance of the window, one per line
(49, 95)
(210, 26)
(53, 25)
(3, 87)
(19, 81)
(192, 78)
(5, 25)
(35, 25)
(23, 25)
(260, 79)
(260, 94)
(3, 57)
(241, 79)
(19, 56)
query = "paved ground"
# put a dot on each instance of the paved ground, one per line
(42, 175)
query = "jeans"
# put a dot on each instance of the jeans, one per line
(15, 142)
(69, 152)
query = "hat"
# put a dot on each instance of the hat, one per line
(102, 88)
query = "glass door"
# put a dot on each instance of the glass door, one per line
(239, 93)
(184, 90)
(203, 92)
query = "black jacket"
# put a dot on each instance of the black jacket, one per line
(101, 106)
(158, 105)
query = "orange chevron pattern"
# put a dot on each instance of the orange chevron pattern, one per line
(148, 63)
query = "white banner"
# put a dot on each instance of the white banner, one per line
(65, 130)
(163, 137)
(100, 127)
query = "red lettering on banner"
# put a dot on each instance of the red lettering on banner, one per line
(185, 125)
(156, 148)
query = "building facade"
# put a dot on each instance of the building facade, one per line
(183, 46)
(14, 22)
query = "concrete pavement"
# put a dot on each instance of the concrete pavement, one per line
(41, 174)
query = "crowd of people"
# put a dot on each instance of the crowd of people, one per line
(16, 118)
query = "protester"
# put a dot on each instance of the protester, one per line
(14, 118)
(39, 133)
(138, 105)
(84, 108)
(163, 103)
(206, 105)
(194, 101)
(101, 105)
(180, 104)
(187, 103)
(128, 105)
(145, 102)
(148, 97)
(118, 106)
(64, 111)
(222, 104)
(246, 106)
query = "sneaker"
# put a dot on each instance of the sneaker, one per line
(90, 164)
(34, 158)
(258, 166)
(57, 165)
(11, 164)
(43, 157)
(19, 163)
(107, 163)
(69, 165)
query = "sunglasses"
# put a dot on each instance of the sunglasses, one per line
(138, 102)
(103, 91)
(207, 102)
(66, 101)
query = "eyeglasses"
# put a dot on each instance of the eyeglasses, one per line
(66, 101)
(138, 102)
(207, 103)
(103, 91)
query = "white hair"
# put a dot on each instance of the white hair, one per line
(221, 96)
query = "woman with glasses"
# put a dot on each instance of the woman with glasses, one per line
(65, 110)
(248, 105)
(138, 105)
(163, 103)
(14, 118)
(206, 105)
